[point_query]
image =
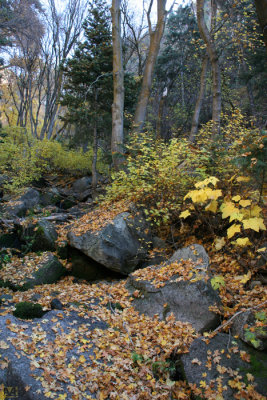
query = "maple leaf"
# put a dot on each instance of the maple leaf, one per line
(228, 209)
(219, 243)
(202, 384)
(185, 214)
(261, 250)
(196, 361)
(212, 207)
(238, 216)
(245, 203)
(235, 228)
(254, 223)
(243, 179)
(236, 198)
(242, 242)
(255, 211)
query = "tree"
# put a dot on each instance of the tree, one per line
(208, 38)
(261, 7)
(155, 36)
(118, 85)
(88, 91)
(35, 75)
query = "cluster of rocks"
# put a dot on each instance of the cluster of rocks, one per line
(121, 246)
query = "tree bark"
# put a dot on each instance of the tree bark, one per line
(211, 49)
(203, 80)
(155, 39)
(261, 7)
(95, 149)
(118, 87)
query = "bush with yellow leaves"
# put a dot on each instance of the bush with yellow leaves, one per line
(24, 158)
(238, 216)
(156, 177)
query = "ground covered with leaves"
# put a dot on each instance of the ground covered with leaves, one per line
(133, 357)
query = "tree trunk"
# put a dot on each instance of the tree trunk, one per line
(118, 87)
(155, 39)
(95, 149)
(261, 7)
(203, 80)
(215, 67)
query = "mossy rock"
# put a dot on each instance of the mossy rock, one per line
(27, 310)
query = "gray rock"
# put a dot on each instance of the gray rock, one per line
(82, 184)
(24, 374)
(19, 207)
(224, 351)
(188, 301)
(41, 235)
(50, 197)
(194, 252)
(241, 328)
(56, 304)
(86, 268)
(50, 270)
(120, 246)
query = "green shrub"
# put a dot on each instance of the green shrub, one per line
(27, 310)
(24, 158)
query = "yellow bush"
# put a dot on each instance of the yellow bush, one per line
(24, 158)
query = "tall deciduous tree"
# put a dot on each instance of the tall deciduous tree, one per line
(208, 37)
(261, 7)
(155, 35)
(118, 86)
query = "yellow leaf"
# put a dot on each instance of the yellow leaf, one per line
(250, 377)
(219, 243)
(261, 250)
(254, 223)
(238, 216)
(185, 214)
(82, 359)
(255, 211)
(243, 179)
(212, 179)
(203, 384)
(242, 242)
(212, 206)
(246, 278)
(48, 394)
(227, 209)
(245, 203)
(236, 198)
(233, 230)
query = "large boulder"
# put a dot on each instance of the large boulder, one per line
(120, 245)
(48, 355)
(166, 289)
(83, 267)
(19, 207)
(39, 236)
(195, 253)
(33, 270)
(221, 364)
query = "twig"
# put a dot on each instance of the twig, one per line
(236, 314)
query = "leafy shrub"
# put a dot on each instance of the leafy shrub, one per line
(27, 310)
(157, 176)
(238, 215)
(24, 158)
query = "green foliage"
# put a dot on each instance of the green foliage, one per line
(217, 282)
(156, 176)
(27, 310)
(24, 158)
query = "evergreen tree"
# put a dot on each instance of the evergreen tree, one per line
(88, 89)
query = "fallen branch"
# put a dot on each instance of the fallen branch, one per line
(236, 314)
